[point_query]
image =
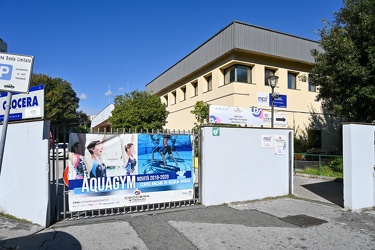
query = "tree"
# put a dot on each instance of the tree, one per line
(201, 112)
(83, 121)
(138, 110)
(60, 101)
(345, 71)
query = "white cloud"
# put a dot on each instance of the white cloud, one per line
(83, 96)
(121, 89)
(109, 93)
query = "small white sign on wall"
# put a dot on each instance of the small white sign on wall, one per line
(280, 144)
(266, 141)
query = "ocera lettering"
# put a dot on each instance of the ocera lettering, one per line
(23, 102)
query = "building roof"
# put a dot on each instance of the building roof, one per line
(101, 120)
(241, 36)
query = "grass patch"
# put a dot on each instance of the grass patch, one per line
(13, 217)
(322, 171)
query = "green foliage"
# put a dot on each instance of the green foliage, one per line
(5, 215)
(322, 171)
(300, 141)
(138, 110)
(345, 71)
(201, 112)
(60, 101)
(336, 164)
(304, 139)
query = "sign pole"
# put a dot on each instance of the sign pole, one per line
(5, 127)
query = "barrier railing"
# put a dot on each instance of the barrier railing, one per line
(318, 164)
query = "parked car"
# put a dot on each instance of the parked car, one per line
(60, 149)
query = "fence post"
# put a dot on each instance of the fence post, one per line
(320, 165)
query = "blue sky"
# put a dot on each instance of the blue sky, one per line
(121, 45)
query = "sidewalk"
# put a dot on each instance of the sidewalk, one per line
(264, 224)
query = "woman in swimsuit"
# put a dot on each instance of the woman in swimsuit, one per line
(98, 167)
(132, 162)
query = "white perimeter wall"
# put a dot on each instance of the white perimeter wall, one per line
(359, 162)
(237, 166)
(24, 182)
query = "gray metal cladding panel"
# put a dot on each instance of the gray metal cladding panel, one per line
(237, 36)
(273, 43)
(206, 53)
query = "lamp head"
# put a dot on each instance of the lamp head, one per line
(272, 81)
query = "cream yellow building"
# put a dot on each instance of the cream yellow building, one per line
(231, 69)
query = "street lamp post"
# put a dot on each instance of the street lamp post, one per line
(272, 81)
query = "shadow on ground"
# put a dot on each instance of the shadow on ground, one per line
(50, 240)
(332, 191)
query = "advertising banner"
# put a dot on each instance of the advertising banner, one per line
(24, 106)
(236, 115)
(107, 171)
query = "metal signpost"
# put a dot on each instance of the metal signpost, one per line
(15, 76)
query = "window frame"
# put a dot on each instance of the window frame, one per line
(268, 75)
(183, 90)
(314, 138)
(166, 100)
(290, 84)
(234, 77)
(194, 91)
(174, 95)
(310, 87)
(209, 83)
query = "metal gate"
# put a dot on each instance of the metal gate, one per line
(59, 192)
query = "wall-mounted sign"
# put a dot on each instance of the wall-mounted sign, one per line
(215, 131)
(15, 72)
(24, 106)
(236, 115)
(280, 102)
(279, 119)
(262, 99)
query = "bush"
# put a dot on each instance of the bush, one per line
(336, 164)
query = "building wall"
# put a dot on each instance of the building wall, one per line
(302, 110)
(300, 100)
(3, 46)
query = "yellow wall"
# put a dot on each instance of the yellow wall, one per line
(300, 102)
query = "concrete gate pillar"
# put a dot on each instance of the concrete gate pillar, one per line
(359, 162)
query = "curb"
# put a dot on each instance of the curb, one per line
(320, 177)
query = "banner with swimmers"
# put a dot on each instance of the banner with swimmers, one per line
(107, 171)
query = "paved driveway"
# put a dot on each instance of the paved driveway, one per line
(326, 190)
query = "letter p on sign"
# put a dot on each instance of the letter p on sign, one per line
(5, 71)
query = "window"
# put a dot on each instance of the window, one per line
(174, 97)
(195, 88)
(292, 84)
(268, 73)
(314, 138)
(237, 73)
(312, 88)
(209, 82)
(183, 90)
(166, 100)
